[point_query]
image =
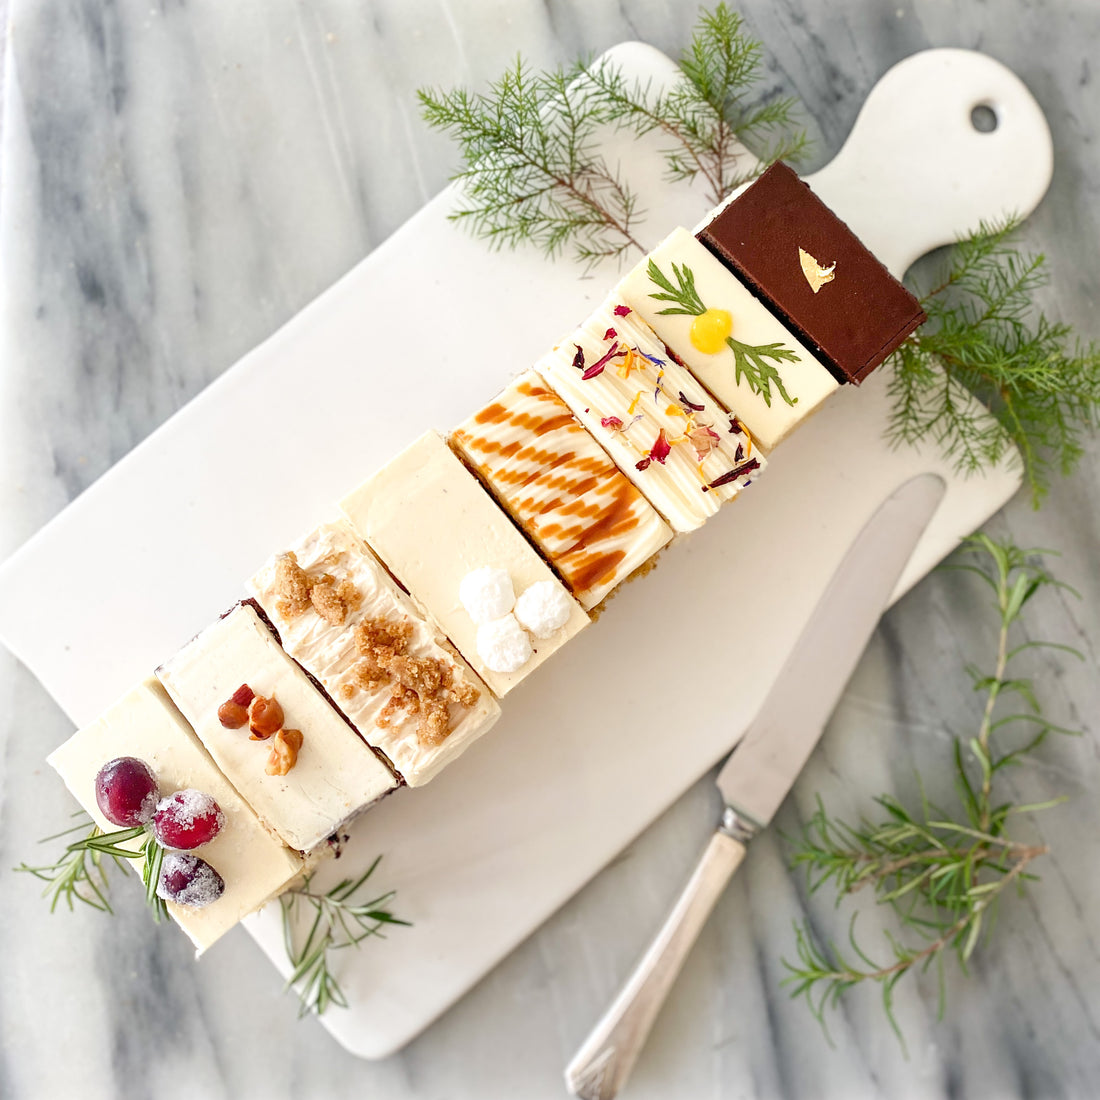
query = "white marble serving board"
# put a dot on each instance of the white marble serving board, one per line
(614, 728)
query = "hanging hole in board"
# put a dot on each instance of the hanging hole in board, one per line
(984, 118)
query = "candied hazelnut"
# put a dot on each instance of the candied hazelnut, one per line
(265, 717)
(284, 752)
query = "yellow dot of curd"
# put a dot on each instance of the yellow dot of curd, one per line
(709, 331)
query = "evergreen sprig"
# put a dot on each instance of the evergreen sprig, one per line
(80, 873)
(338, 921)
(534, 170)
(942, 874)
(986, 338)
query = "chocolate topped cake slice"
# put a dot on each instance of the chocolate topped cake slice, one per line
(797, 255)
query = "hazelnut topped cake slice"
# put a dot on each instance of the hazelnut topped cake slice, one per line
(341, 615)
(559, 485)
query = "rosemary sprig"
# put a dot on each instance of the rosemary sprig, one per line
(534, 169)
(749, 362)
(80, 874)
(986, 337)
(338, 921)
(942, 875)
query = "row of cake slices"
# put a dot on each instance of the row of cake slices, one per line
(332, 685)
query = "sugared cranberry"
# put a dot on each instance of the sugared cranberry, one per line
(126, 791)
(187, 819)
(188, 880)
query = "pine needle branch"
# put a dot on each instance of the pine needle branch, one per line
(941, 875)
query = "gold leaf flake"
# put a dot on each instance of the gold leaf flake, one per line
(816, 275)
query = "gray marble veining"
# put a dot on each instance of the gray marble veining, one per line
(178, 179)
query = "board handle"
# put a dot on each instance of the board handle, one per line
(916, 171)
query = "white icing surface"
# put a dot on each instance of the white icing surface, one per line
(336, 774)
(328, 651)
(807, 382)
(144, 723)
(431, 521)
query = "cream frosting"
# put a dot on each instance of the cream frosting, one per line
(806, 381)
(558, 484)
(336, 775)
(328, 651)
(641, 395)
(144, 723)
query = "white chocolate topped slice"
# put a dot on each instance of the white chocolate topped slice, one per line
(433, 523)
(373, 651)
(664, 431)
(558, 484)
(143, 723)
(335, 776)
(736, 346)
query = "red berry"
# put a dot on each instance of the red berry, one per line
(187, 819)
(188, 880)
(126, 791)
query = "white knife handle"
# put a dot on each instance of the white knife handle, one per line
(603, 1063)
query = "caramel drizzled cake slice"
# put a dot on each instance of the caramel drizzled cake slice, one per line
(665, 432)
(144, 724)
(288, 751)
(346, 621)
(742, 352)
(558, 484)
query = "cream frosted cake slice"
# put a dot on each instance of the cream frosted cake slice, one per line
(447, 541)
(290, 754)
(253, 865)
(346, 621)
(733, 343)
(558, 484)
(665, 432)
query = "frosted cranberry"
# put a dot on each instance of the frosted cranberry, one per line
(126, 791)
(188, 880)
(187, 819)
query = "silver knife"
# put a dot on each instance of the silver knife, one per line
(762, 768)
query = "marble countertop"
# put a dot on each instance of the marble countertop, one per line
(177, 181)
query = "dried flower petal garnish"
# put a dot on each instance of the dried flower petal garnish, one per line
(660, 450)
(613, 423)
(578, 359)
(704, 439)
(734, 474)
(628, 364)
(630, 409)
(621, 311)
(597, 367)
(689, 406)
(610, 334)
(284, 752)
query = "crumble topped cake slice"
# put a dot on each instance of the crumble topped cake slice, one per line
(253, 865)
(559, 485)
(665, 432)
(346, 621)
(288, 751)
(731, 341)
(441, 534)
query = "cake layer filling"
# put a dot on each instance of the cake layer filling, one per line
(731, 341)
(145, 724)
(665, 432)
(559, 485)
(345, 620)
(294, 759)
(433, 524)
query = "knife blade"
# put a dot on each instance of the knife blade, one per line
(762, 769)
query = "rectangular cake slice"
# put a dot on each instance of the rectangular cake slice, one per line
(799, 256)
(664, 431)
(731, 341)
(253, 864)
(335, 774)
(558, 484)
(346, 621)
(433, 524)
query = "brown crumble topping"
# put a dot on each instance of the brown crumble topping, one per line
(326, 600)
(296, 591)
(420, 686)
(347, 690)
(292, 584)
